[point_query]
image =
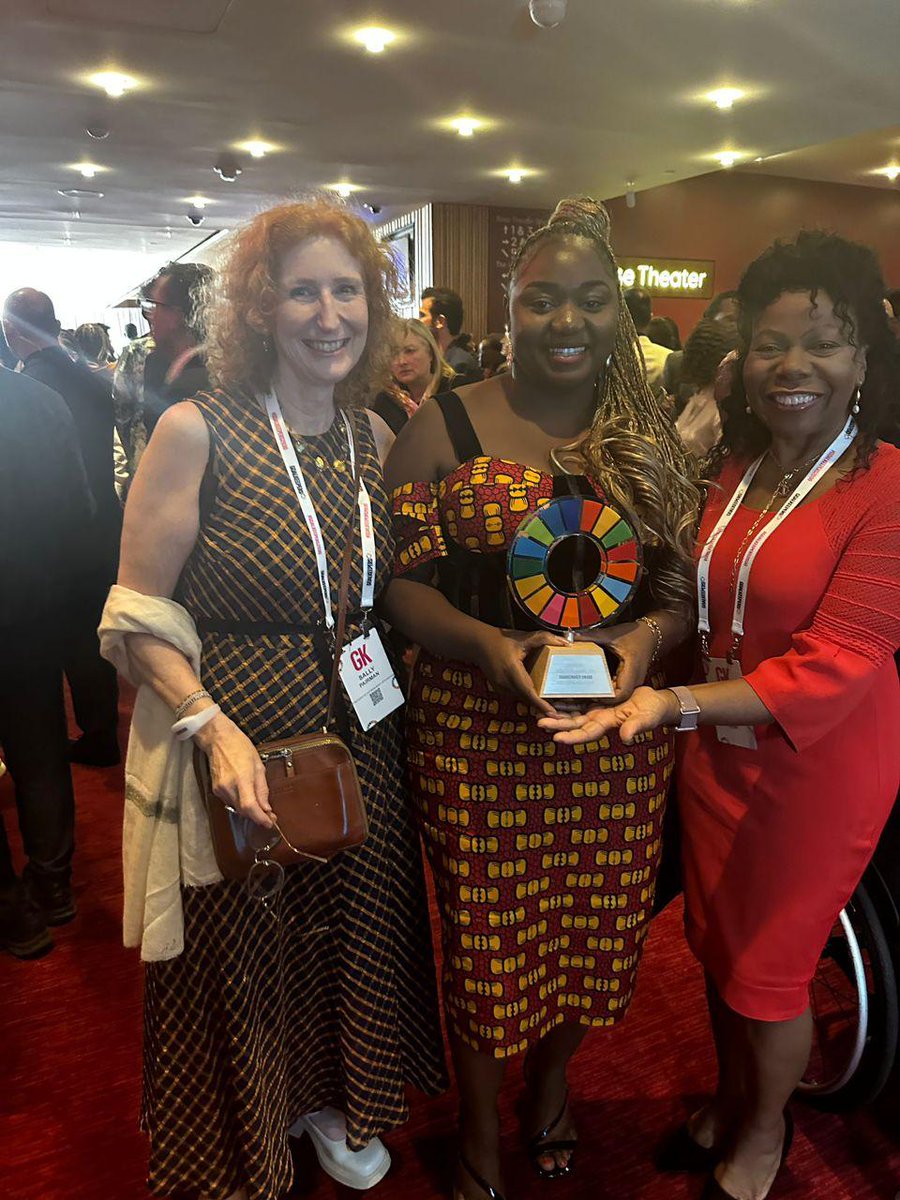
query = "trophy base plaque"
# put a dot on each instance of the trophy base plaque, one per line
(578, 671)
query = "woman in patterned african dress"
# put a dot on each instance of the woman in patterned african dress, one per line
(311, 1015)
(544, 861)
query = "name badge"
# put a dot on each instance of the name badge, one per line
(369, 679)
(720, 670)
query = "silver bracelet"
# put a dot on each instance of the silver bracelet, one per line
(200, 694)
(654, 628)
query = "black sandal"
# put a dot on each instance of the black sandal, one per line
(537, 1146)
(490, 1192)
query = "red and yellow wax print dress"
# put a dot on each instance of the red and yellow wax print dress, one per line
(775, 840)
(544, 856)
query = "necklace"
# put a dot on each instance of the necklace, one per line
(782, 490)
(313, 456)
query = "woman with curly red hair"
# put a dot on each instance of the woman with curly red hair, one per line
(313, 1012)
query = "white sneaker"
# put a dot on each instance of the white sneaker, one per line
(360, 1169)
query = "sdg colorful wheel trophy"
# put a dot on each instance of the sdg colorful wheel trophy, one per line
(573, 566)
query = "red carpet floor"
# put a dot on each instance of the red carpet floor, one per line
(70, 1029)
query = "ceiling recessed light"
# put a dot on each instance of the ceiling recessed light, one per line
(515, 176)
(891, 172)
(725, 97)
(344, 189)
(466, 126)
(114, 83)
(79, 194)
(256, 148)
(87, 169)
(374, 38)
(198, 201)
(728, 157)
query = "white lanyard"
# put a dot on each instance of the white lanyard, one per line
(827, 460)
(366, 533)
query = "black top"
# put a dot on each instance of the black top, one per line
(45, 503)
(393, 414)
(159, 395)
(88, 395)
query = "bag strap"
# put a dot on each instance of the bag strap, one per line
(341, 623)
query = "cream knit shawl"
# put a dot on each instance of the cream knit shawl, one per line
(165, 838)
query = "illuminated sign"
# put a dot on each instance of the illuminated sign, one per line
(668, 276)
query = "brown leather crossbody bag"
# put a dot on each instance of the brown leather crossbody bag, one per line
(313, 784)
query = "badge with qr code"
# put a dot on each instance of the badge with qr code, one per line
(369, 679)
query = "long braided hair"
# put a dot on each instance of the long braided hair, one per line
(631, 448)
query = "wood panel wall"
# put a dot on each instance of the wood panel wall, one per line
(461, 258)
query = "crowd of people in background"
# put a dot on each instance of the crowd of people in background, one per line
(310, 1014)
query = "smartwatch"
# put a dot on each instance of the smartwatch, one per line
(690, 709)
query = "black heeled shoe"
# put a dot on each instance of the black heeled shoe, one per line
(490, 1192)
(714, 1189)
(678, 1151)
(537, 1146)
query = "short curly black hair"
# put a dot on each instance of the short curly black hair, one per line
(850, 275)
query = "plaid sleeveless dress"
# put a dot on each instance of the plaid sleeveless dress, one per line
(329, 997)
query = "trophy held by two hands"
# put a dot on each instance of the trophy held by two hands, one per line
(573, 566)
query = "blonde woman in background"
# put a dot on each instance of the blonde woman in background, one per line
(418, 371)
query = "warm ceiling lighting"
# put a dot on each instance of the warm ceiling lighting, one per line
(725, 97)
(892, 172)
(728, 158)
(257, 148)
(515, 176)
(114, 83)
(374, 38)
(465, 126)
(344, 190)
(198, 201)
(87, 169)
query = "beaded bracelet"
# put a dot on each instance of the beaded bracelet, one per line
(654, 628)
(200, 694)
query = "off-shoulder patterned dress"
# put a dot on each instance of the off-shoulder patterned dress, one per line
(544, 856)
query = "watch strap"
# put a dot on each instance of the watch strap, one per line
(690, 709)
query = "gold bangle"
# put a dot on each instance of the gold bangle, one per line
(654, 628)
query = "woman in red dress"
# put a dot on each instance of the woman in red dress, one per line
(544, 859)
(785, 787)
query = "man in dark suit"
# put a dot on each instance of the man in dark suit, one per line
(32, 331)
(45, 515)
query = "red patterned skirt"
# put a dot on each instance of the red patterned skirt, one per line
(544, 858)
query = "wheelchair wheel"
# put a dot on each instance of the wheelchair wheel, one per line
(854, 1005)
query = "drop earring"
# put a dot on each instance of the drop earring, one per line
(855, 408)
